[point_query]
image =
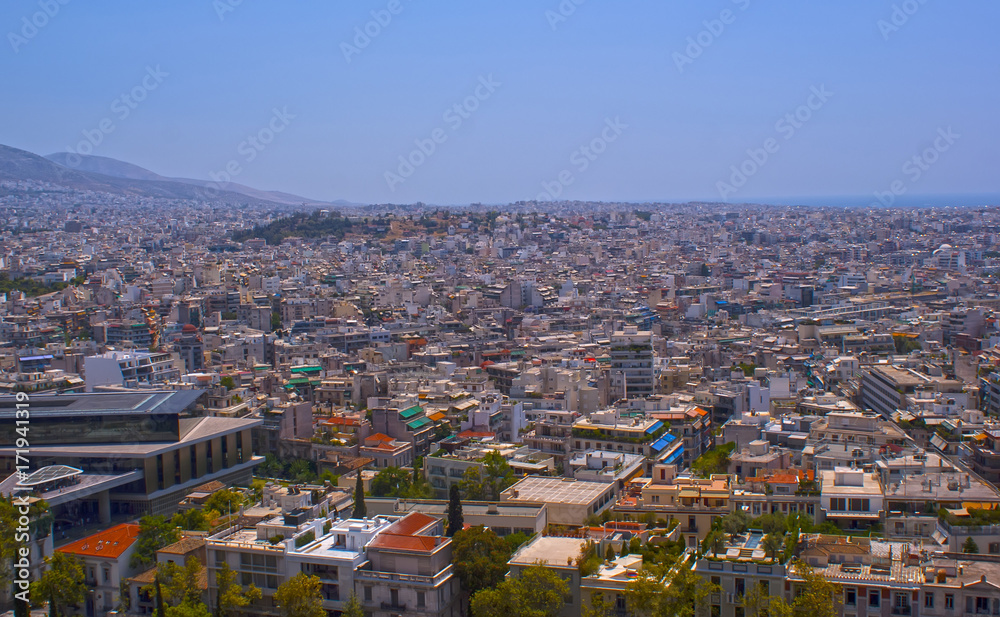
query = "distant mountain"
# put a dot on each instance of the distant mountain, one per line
(120, 169)
(98, 173)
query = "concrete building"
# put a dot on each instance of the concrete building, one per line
(130, 369)
(567, 501)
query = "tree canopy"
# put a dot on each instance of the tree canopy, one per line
(300, 596)
(675, 591)
(397, 482)
(62, 584)
(536, 592)
(485, 482)
(155, 532)
(455, 519)
(480, 557)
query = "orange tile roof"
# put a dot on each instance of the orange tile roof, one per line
(476, 434)
(378, 437)
(407, 543)
(110, 543)
(411, 524)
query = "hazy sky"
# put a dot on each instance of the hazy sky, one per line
(592, 99)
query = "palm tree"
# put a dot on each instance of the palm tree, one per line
(772, 545)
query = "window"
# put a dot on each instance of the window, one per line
(107, 575)
(874, 599)
(929, 600)
(900, 601)
(717, 581)
(850, 596)
(420, 599)
(368, 593)
(740, 587)
(949, 601)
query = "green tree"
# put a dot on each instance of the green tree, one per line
(360, 511)
(155, 532)
(300, 596)
(188, 609)
(228, 382)
(599, 606)
(715, 460)
(353, 608)
(485, 482)
(609, 555)
(735, 523)
(194, 520)
(480, 557)
(773, 544)
(759, 603)
(62, 583)
(818, 597)
(970, 546)
(225, 501)
(537, 592)
(678, 592)
(455, 519)
(178, 583)
(231, 596)
(391, 482)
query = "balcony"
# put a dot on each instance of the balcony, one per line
(389, 606)
(901, 610)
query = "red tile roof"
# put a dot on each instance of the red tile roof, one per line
(407, 543)
(110, 543)
(411, 524)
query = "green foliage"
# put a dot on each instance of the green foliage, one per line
(735, 523)
(714, 460)
(773, 544)
(302, 225)
(455, 519)
(480, 557)
(28, 286)
(360, 510)
(62, 583)
(353, 607)
(301, 596)
(300, 471)
(397, 482)
(537, 592)
(609, 555)
(155, 532)
(228, 382)
(231, 596)
(818, 598)
(178, 584)
(306, 538)
(970, 546)
(276, 539)
(668, 592)
(485, 482)
(188, 609)
(590, 560)
(193, 520)
(747, 369)
(225, 501)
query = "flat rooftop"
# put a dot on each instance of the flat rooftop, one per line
(555, 490)
(554, 551)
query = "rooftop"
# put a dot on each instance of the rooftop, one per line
(555, 490)
(549, 550)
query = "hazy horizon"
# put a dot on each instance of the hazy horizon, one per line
(398, 101)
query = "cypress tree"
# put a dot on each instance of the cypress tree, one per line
(455, 519)
(360, 511)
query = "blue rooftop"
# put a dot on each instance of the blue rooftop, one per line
(662, 442)
(654, 427)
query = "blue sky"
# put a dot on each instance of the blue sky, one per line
(560, 75)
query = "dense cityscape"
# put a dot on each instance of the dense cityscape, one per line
(562, 407)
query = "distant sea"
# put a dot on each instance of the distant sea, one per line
(901, 201)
